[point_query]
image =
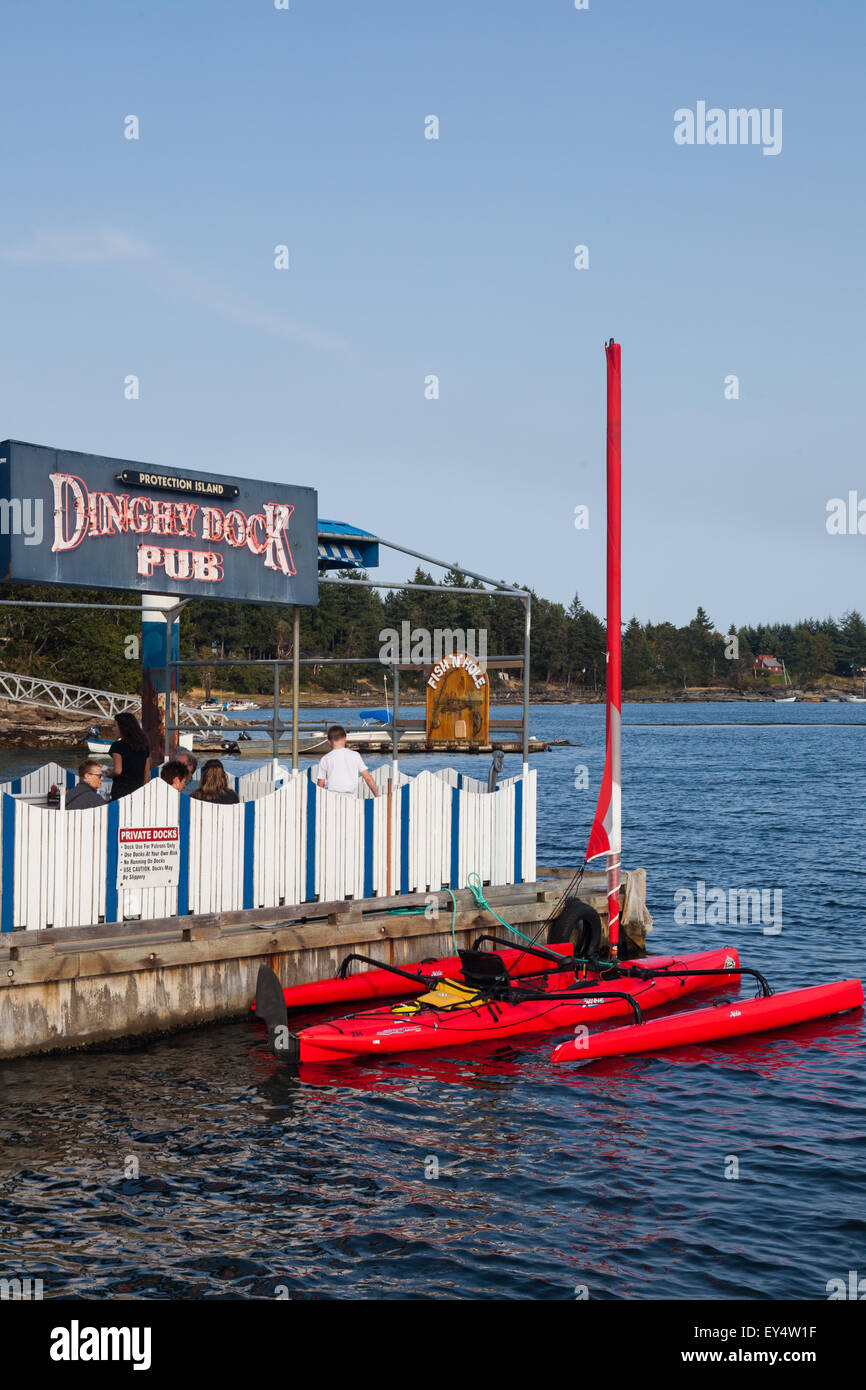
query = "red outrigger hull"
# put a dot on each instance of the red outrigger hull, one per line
(716, 1024)
(382, 984)
(383, 1031)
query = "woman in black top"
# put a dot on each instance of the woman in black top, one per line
(215, 785)
(131, 757)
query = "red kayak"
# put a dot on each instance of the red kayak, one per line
(454, 1012)
(384, 984)
(714, 1024)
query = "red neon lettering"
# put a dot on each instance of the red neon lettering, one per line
(163, 519)
(78, 513)
(178, 564)
(141, 515)
(236, 528)
(279, 556)
(207, 566)
(212, 521)
(116, 513)
(149, 556)
(97, 519)
(185, 513)
(69, 489)
(255, 543)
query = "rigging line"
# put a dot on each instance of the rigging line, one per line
(475, 890)
(570, 892)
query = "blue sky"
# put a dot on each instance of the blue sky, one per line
(411, 257)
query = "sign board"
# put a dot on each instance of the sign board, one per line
(148, 856)
(95, 522)
(458, 701)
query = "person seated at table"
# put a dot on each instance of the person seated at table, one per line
(215, 785)
(175, 773)
(131, 756)
(189, 760)
(86, 793)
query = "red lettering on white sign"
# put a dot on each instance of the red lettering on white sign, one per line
(79, 513)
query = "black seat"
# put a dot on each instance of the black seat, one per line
(485, 971)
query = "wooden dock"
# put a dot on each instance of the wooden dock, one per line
(314, 743)
(74, 987)
(409, 743)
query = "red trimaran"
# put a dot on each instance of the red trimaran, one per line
(708, 1024)
(513, 991)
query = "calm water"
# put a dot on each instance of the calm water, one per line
(611, 1177)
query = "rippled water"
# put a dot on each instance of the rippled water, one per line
(612, 1177)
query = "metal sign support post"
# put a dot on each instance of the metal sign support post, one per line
(296, 682)
(276, 726)
(160, 652)
(395, 726)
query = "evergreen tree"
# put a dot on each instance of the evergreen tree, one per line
(638, 667)
(852, 643)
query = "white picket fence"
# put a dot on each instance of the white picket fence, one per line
(260, 781)
(288, 844)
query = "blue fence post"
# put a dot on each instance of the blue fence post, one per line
(404, 838)
(112, 837)
(249, 852)
(311, 841)
(183, 882)
(518, 831)
(455, 837)
(369, 804)
(7, 891)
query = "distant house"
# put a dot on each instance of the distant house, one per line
(768, 665)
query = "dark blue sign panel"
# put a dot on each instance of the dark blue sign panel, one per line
(95, 522)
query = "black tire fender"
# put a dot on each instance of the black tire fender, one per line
(578, 923)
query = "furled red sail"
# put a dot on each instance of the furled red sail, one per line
(606, 834)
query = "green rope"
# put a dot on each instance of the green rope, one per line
(475, 889)
(474, 884)
(421, 911)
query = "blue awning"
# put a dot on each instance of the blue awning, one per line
(342, 546)
(343, 554)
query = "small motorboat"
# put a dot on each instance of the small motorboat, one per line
(99, 746)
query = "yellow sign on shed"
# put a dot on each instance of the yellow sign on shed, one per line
(458, 701)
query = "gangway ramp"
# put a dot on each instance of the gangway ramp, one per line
(85, 699)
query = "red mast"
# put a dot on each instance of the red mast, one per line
(606, 834)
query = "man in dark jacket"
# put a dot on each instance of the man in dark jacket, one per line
(86, 794)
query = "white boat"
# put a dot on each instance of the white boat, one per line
(784, 699)
(99, 746)
(855, 699)
(240, 704)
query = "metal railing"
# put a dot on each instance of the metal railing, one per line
(76, 699)
(86, 699)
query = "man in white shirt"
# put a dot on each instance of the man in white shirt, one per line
(340, 769)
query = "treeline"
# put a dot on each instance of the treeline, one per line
(100, 647)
